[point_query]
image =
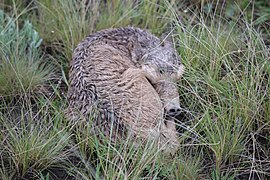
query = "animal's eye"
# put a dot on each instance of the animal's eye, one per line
(161, 71)
(162, 44)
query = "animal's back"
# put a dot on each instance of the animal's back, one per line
(108, 82)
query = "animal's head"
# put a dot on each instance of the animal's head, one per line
(162, 66)
(158, 57)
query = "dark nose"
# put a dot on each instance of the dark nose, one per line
(175, 111)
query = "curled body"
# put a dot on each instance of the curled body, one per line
(115, 79)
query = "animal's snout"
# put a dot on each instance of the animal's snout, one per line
(174, 111)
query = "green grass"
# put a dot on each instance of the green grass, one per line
(23, 70)
(31, 142)
(224, 91)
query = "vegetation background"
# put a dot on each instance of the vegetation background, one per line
(225, 133)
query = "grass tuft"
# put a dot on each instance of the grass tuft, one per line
(22, 67)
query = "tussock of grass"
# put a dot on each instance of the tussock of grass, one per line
(224, 92)
(21, 68)
(20, 77)
(226, 86)
(30, 144)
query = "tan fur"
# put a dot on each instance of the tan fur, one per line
(109, 84)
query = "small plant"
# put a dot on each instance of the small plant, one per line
(22, 70)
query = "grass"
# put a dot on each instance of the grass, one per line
(22, 70)
(224, 91)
